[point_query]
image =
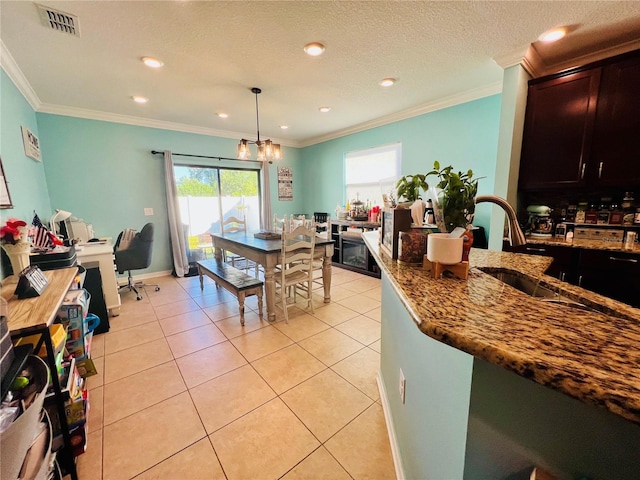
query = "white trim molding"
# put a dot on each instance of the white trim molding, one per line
(535, 65)
(393, 441)
(451, 101)
(12, 70)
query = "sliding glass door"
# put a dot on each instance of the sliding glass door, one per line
(209, 194)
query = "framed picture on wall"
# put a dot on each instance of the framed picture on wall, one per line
(31, 144)
(5, 196)
(285, 183)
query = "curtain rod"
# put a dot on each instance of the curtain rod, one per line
(156, 152)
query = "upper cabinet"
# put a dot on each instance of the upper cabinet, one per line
(615, 153)
(581, 128)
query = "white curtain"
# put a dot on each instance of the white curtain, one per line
(176, 230)
(265, 221)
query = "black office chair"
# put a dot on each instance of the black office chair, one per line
(136, 256)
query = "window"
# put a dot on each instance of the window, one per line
(209, 194)
(372, 172)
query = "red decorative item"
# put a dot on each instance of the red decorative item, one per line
(466, 245)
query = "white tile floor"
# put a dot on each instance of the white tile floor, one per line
(185, 392)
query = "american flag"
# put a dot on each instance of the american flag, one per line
(42, 237)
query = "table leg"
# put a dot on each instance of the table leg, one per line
(270, 293)
(217, 253)
(326, 278)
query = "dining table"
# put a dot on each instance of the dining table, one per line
(267, 252)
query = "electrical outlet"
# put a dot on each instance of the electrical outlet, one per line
(148, 211)
(403, 386)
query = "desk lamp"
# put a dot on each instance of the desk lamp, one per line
(58, 216)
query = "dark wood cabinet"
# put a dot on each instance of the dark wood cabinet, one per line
(613, 274)
(564, 259)
(615, 155)
(558, 129)
(581, 128)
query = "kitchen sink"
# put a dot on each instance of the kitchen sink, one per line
(524, 284)
(532, 287)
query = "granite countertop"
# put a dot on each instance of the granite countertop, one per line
(589, 244)
(588, 355)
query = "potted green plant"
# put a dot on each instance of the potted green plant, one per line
(409, 187)
(454, 196)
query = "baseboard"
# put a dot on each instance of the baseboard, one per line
(393, 441)
(144, 276)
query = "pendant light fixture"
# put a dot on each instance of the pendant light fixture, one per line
(267, 150)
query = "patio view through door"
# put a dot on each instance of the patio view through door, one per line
(208, 194)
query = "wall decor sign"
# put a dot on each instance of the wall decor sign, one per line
(31, 144)
(285, 183)
(5, 197)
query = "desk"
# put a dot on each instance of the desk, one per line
(267, 254)
(103, 254)
(35, 315)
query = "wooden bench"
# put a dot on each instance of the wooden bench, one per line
(232, 280)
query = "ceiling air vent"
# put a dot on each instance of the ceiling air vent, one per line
(59, 21)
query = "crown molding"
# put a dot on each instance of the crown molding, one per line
(12, 70)
(527, 57)
(590, 57)
(145, 122)
(446, 102)
(536, 66)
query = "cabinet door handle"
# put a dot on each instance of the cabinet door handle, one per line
(562, 275)
(600, 170)
(534, 249)
(580, 281)
(584, 166)
(628, 260)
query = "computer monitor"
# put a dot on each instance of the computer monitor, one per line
(77, 229)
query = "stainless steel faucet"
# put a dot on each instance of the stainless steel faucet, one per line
(516, 236)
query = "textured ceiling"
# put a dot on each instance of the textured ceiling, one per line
(214, 52)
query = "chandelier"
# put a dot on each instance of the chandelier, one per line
(267, 150)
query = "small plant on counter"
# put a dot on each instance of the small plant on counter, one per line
(455, 195)
(409, 186)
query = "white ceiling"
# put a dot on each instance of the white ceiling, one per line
(214, 52)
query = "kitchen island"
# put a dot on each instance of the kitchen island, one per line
(498, 381)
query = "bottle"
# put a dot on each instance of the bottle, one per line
(581, 212)
(627, 209)
(603, 211)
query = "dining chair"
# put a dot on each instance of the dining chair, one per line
(295, 271)
(232, 225)
(279, 224)
(323, 230)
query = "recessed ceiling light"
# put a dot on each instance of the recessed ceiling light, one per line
(139, 99)
(284, 127)
(152, 62)
(387, 82)
(553, 35)
(324, 109)
(223, 115)
(314, 49)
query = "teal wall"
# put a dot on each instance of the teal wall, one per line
(105, 173)
(515, 423)
(25, 176)
(465, 136)
(431, 426)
